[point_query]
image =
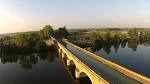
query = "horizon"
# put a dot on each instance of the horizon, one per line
(68, 29)
(30, 15)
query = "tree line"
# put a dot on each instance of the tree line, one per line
(107, 39)
(48, 31)
(30, 42)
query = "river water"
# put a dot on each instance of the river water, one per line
(134, 57)
(35, 68)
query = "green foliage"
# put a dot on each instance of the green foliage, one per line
(147, 35)
(61, 33)
(21, 40)
(46, 32)
(41, 33)
(108, 39)
(25, 43)
(133, 34)
(27, 40)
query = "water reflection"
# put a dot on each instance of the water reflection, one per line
(26, 61)
(133, 53)
(133, 44)
(36, 68)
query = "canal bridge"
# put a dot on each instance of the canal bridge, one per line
(99, 70)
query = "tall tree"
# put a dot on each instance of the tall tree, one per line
(133, 34)
(61, 33)
(41, 33)
(46, 32)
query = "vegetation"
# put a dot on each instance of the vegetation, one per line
(61, 33)
(133, 33)
(35, 41)
(28, 42)
(108, 39)
(24, 43)
(32, 41)
(46, 32)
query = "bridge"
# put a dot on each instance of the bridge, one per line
(85, 64)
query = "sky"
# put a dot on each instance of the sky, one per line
(32, 15)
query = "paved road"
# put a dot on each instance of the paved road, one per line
(105, 71)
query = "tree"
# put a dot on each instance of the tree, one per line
(21, 40)
(27, 40)
(147, 35)
(133, 33)
(46, 32)
(41, 33)
(61, 33)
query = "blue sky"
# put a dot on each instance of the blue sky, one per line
(28, 15)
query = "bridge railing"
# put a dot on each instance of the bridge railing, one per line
(115, 66)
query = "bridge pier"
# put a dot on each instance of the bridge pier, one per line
(59, 50)
(68, 62)
(77, 73)
(63, 55)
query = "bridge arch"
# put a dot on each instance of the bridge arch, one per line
(84, 78)
(60, 53)
(71, 62)
(65, 58)
(72, 67)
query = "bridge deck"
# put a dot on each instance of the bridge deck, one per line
(103, 70)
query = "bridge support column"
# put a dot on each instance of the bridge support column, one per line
(58, 50)
(62, 55)
(77, 73)
(68, 62)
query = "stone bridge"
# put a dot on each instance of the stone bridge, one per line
(81, 70)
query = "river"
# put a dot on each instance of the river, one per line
(133, 56)
(35, 68)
